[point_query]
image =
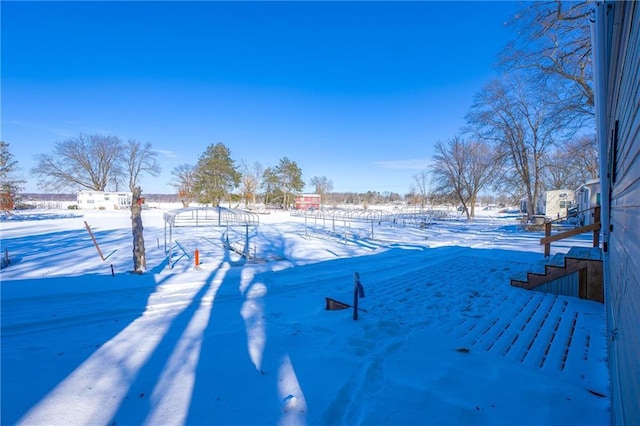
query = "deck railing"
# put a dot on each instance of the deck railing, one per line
(594, 227)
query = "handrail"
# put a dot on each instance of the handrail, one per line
(595, 227)
(564, 218)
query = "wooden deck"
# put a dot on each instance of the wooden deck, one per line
(543, 331)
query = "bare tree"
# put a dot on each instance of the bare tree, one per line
(517, 117)
(421, 187)
(583, 154)
(573, 163)
(85, 161)
(553, 43)
(139, 159)
(322, 186)
(250, 181)
(184, 181)
(463, 168)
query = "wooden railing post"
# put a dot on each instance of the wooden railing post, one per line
(595, 227)
(547, 233)
(596, 232)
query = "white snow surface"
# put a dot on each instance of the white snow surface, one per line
(442, 337)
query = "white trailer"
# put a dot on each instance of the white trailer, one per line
(555, 204)
(88, 200)
(588, 197)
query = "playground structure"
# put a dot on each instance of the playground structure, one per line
(360, 223)
(218, 217)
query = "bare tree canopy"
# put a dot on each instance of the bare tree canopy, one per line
(94, 162)
(572, 164)
(322, 185)
(518, 118)
(463, 168)
(250, 181)
(554, 44)
(184, 180)
(84, 161)
(421, 190)
(140, 159)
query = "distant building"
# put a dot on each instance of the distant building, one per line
(307, 202)
(6, 201)
(588, 197)
(555, 203)
(88, 200)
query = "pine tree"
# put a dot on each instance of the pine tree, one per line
(216, 175)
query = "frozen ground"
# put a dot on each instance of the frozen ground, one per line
(442, 337)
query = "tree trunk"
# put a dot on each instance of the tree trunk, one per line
(139, 258)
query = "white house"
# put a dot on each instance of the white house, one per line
(555, 204)
(102, 200)
(588, 197)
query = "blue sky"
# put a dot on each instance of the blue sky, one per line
(355, 91)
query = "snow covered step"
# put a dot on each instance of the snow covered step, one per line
(590, 253)
(556, 260)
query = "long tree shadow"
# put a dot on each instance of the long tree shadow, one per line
(168, 366)
(52, 326)
(230, 385)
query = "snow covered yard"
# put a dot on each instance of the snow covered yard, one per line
(443, 338)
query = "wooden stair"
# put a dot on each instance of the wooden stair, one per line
(551, 275)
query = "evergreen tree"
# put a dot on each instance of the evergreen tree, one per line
(216, 175)
(290, 179)
(8, 167)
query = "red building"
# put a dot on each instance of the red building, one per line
(308, 202)
(6, 201)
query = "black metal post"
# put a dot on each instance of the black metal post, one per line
(358, 291)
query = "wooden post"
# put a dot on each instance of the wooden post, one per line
(547, 233)
(197, 258)
(94, 240)
(596, 232)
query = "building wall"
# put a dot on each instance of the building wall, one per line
(6, 201)
(620, 100)
(556, 203)
(588, 197)
(88, 200)
(307, 201)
